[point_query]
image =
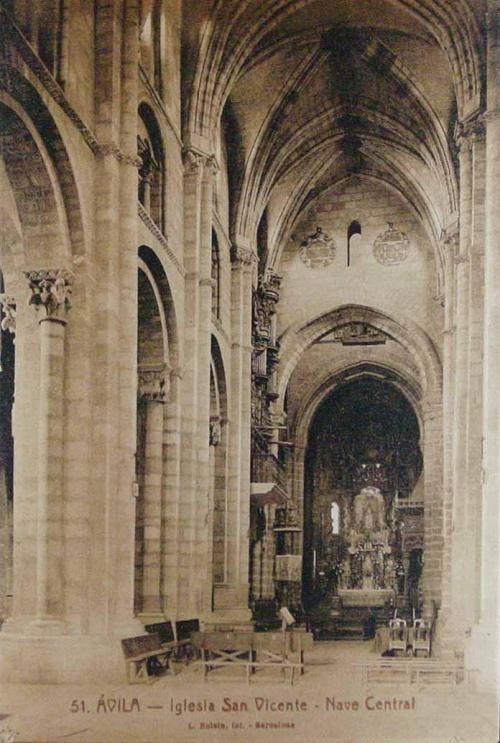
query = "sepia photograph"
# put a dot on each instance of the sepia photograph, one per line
(249, 371)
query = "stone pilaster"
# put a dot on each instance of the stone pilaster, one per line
(50, 294)
(152, 392)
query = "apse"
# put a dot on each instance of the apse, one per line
(363, 464)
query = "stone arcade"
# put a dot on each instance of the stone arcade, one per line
(250, 349)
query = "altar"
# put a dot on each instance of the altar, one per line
(368, 577)
(363, 530)
(365, 597)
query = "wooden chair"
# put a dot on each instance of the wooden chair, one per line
(398, 635)
(421, 639)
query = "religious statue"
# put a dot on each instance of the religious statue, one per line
(369, 565)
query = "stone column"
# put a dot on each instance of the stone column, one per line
(461, 551)
(465, 414)
(122, 531)
(114, 365)
(194, 572)
(460, 391)
(482, 648)
(193, 170)
(450, 240)
(51, 291)
(152, 391)
(475, 383)
(231, 600)
(202, 574)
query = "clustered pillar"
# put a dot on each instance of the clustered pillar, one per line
(482, 648)
(195, 560)
(232, 598)
(463, 407)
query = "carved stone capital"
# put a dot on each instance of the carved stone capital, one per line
(450, 238)
(215, 432)
(269, 287)
(468, 131)
(8, 305)
(243, 256)
(212, 165)
(195, 160)
(51, 289)
(152, 383)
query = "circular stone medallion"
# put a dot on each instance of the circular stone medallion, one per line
(391, 247)
(317, 250)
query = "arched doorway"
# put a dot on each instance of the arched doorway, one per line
(363, 471)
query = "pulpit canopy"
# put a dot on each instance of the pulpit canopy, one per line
(267, 493)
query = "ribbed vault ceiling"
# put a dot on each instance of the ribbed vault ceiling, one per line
(313, 92)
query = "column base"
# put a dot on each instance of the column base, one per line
(62, 659)
(230, 607)
(36, 627)
(449, 638)
(47, 627)
(151, 617)
(481, 658)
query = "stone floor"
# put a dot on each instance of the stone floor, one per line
(326, 705)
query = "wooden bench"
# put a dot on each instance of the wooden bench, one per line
(252, 650)
(143, 654)
(165, 631)
(271, 649)
(410, 671)
(299, 642)
(184, 631)
(176, 637)
(219, 649)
